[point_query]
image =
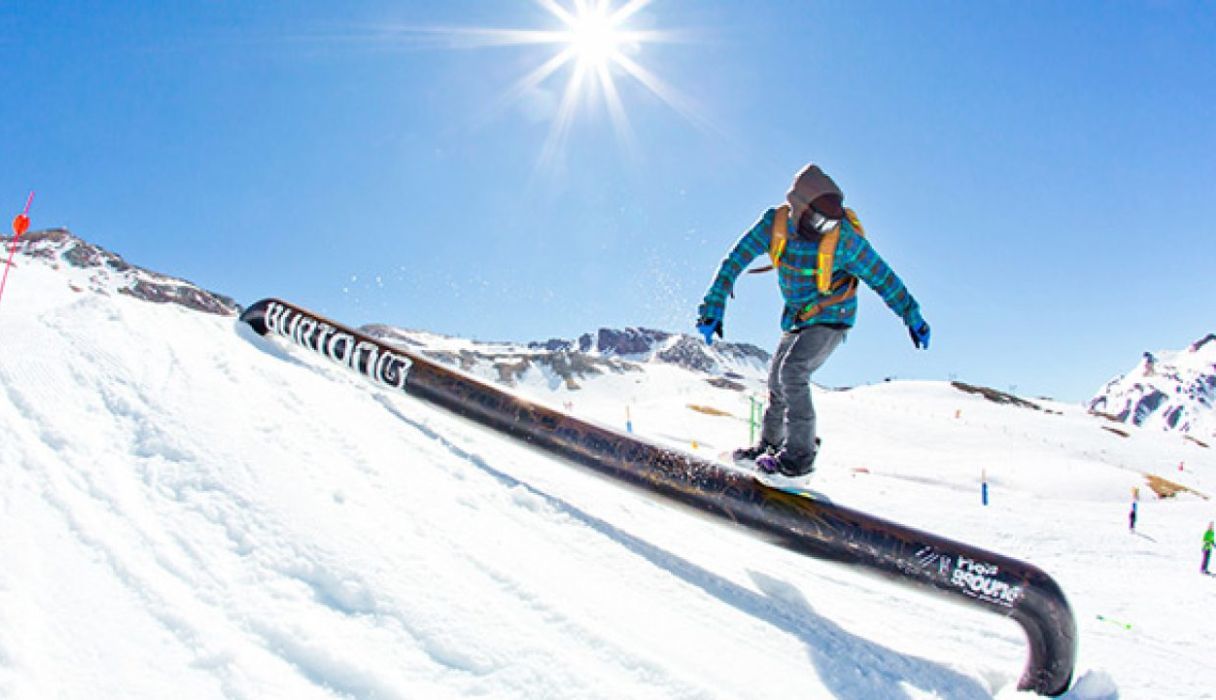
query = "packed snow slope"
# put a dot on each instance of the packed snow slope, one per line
(188, 510)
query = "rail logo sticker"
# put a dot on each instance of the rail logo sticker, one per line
(371, 359)
(927, 558)
(978, 579)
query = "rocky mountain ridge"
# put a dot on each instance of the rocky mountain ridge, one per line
(570, 362)
(567, 362)
(107, 273)
(1168, 390)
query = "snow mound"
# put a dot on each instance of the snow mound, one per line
(190, 510)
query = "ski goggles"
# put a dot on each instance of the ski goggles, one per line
(822, 224)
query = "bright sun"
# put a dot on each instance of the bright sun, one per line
(594, 43)
(594, 37)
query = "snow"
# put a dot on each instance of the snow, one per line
(189, 510)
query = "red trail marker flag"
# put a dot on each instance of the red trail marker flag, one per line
(21, 224)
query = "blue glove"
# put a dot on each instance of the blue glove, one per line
(708, 326)
(920, 334)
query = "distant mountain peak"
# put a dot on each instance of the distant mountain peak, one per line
(107, 272)
(604, 351)
(650, 345)
(1168, 390)
(1199, 344)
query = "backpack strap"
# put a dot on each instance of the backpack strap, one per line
(827, 258)
(780, 233)
(855, 221)
(778, 236)
(827, 252)
(847, 288)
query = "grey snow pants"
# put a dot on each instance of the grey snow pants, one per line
(790, 416)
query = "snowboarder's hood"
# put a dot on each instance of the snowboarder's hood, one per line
(810, 184)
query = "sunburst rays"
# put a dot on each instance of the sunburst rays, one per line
(594, 43)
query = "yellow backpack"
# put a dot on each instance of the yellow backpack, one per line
(847, 288)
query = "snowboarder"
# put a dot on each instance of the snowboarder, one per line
(1209, 541)
(819, 250)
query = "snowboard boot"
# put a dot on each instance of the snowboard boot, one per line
(786, 465)
(748, 455)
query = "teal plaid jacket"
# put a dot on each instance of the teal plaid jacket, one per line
(855, 257)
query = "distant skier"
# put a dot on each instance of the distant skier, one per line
(1131, 518)
(1209, 541)
(819, 251)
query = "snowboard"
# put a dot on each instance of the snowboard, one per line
(793, 486)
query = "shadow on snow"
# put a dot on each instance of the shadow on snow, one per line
(851, 667)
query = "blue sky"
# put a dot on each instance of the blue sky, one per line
(1041, 174)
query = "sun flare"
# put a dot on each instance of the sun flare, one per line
(594, 37)
(594, 47)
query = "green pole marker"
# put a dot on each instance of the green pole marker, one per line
(753, 420)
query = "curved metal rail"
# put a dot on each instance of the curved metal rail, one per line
(993, 582)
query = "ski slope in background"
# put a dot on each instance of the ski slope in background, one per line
(189, 510)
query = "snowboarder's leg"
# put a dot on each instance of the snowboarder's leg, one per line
(773, 430)
(810, 350)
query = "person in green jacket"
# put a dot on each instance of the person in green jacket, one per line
(1209, 541)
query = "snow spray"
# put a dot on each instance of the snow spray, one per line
(21, 224)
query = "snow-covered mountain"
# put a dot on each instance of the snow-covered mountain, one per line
(564, 362)
(190, 510)
(569, 363)
(100, 271)
(1171, 390)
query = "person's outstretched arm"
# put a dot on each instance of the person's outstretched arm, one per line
(752, 245)
(862, 261)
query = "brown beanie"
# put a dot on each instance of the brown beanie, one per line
(809, 185)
